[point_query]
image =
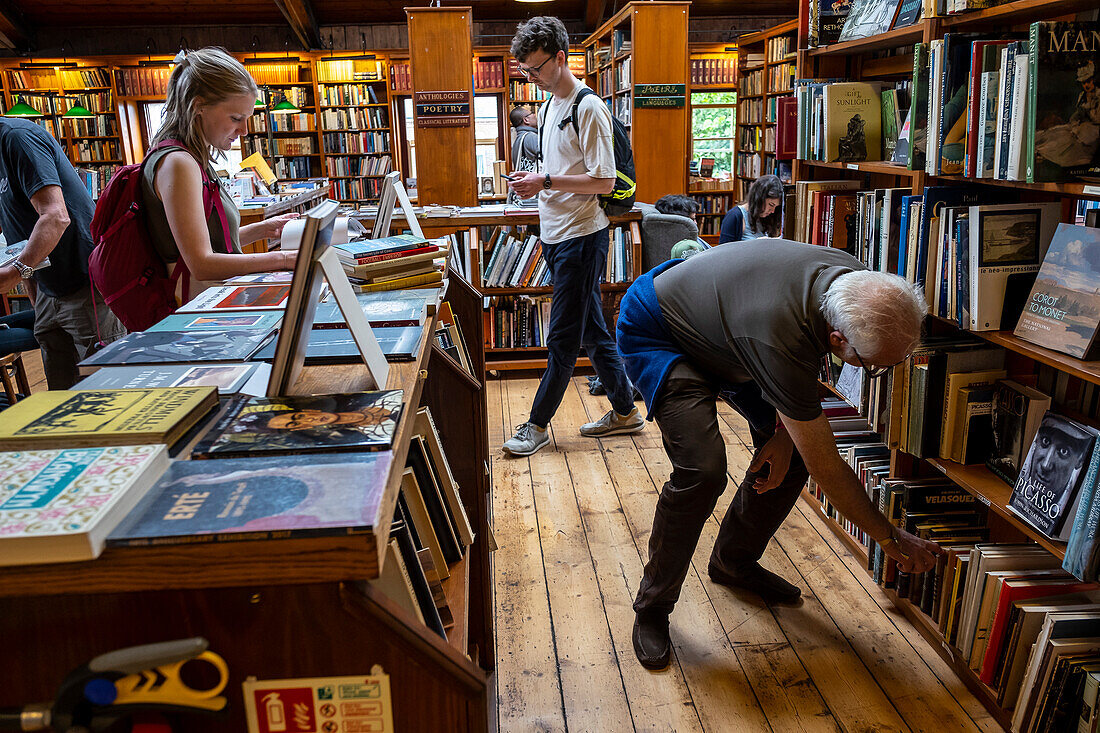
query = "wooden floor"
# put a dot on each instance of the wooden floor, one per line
(572, 523)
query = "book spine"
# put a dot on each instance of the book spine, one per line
(1032, 97)
(1075, 560)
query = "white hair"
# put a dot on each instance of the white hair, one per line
(874, 310)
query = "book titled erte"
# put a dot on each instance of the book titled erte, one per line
(73, 419)
(245, 499)
(263, 426)
(59, 505)
(161, 347)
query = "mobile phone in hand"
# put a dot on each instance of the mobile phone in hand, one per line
(507, 177)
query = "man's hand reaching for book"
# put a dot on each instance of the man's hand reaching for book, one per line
(912, 554)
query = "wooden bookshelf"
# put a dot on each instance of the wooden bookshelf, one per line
(658, 134)
(763, 76)
(290, 78)
(862, 59)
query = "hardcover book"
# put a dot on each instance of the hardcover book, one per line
(1047, 487)
(1017, 412)
(59, 505)
(868, 18)
(362, 248)
(245, 499)
(359, 421)
(160, 347)
(336, 345)
(853, 122)
(1062, 311)
(265, 321)
(264, 296)
(74, 419)
(380, 312)
(1063, 141)
(228, 378)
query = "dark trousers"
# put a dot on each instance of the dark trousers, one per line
(576, 319)
(688, 418)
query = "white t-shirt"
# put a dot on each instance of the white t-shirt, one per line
(569, 215)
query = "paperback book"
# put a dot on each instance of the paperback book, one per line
(59, 505)
(76, 419)
(853, 122)
(1046, 490)
(228, 378)
(265, 321)
(380, 312)
(1017, 411)
(244, 499)
(160, 347)
(337, 346)
(247, 297)
(360, 421)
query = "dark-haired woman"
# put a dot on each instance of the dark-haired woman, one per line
(760, 215)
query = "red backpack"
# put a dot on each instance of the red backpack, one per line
(124, 266)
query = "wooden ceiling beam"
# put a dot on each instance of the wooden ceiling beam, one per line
(14, 32)
(299, 14)
(593, 14)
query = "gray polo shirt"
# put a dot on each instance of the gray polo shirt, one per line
(751, 311)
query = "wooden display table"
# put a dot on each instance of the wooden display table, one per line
(287, 608)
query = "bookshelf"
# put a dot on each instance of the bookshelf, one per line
(889, 57)
(766, 62)
(293, 147)
(353, 110)
(713, 78)
(92, 143)
(658, 117)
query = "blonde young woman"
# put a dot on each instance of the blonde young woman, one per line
(210, 97)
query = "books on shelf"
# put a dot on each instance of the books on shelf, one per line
(239, 499)
(713, 71)
(75, 419)
(145, 81)
(266, 426)
(868, 18)
(1017, 412)
(827, 19)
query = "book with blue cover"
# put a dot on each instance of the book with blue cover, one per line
(264, 321)
(337, 346)
(160, 347)
(380, 312)
(384, 245)
(244, 499)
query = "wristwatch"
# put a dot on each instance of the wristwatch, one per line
(546, 182)
(25, 271)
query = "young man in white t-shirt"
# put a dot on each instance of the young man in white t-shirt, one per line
(578, 163)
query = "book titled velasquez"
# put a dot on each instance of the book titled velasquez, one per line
(1058, 463)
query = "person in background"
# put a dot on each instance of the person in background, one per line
(210, 98)
(525, 149)
(760, 215)
(751, 323)
(43, 201)
(578, 164)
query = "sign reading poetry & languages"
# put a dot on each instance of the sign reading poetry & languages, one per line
(658, 95)
(442, 109)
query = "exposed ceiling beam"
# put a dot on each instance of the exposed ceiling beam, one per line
(14, 32)
(299, 14)
(593, 14)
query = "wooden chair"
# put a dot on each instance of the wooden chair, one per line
(14, 375)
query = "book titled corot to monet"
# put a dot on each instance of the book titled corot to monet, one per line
(244, 499)
(73, 419)
(360, 421)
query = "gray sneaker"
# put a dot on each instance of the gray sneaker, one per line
(614, 424)
(528, 439)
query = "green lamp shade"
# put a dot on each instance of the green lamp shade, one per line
(78, 110)
(284, 107)
(22, 109)
(259, 103)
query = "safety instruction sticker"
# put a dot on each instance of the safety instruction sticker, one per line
(320, 704)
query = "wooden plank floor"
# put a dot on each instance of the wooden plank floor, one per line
(572, 523)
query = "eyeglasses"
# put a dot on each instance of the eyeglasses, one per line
(536, 70)
(874, 372)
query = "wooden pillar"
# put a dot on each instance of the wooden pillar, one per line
(661, 135)
(441, 54)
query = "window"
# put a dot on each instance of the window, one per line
(410, 143)
(487, 133)
(153, 113)
(713, 117)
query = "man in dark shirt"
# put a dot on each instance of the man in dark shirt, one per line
(751, 323)
(43, 201)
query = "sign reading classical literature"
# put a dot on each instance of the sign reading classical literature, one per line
(442, 109)
(659, 95)
(356, 703)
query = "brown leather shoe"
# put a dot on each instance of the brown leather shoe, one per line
(652, 644)
(764, 583)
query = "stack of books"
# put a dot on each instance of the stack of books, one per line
(391, 263)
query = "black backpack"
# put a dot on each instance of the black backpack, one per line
(621, 198)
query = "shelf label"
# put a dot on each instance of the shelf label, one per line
(982, 499)
(651, 102)
(1091, 190)
(442, 109)
(853, 166)
(659, 90)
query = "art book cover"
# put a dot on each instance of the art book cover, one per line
(1047, 487)
(266, 296)
(265, 321)
(1063, 310)
(159, 347)
(1063, 137)
(868, 18)
(853, 122)
(380, 312)
(361, 248)
(337, 346)
(1017, 412)
(831, 17)
(228, 378)
(244, 499)
(59, 505)
(60, 418)
(282, 276)
(319, 423)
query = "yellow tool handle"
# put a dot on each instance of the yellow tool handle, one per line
(164, 686)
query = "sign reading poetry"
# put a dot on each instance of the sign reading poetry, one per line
(658, 95)
(442, 109)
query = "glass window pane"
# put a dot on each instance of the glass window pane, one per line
(714, 98)
(712, 122)
(410, 138)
